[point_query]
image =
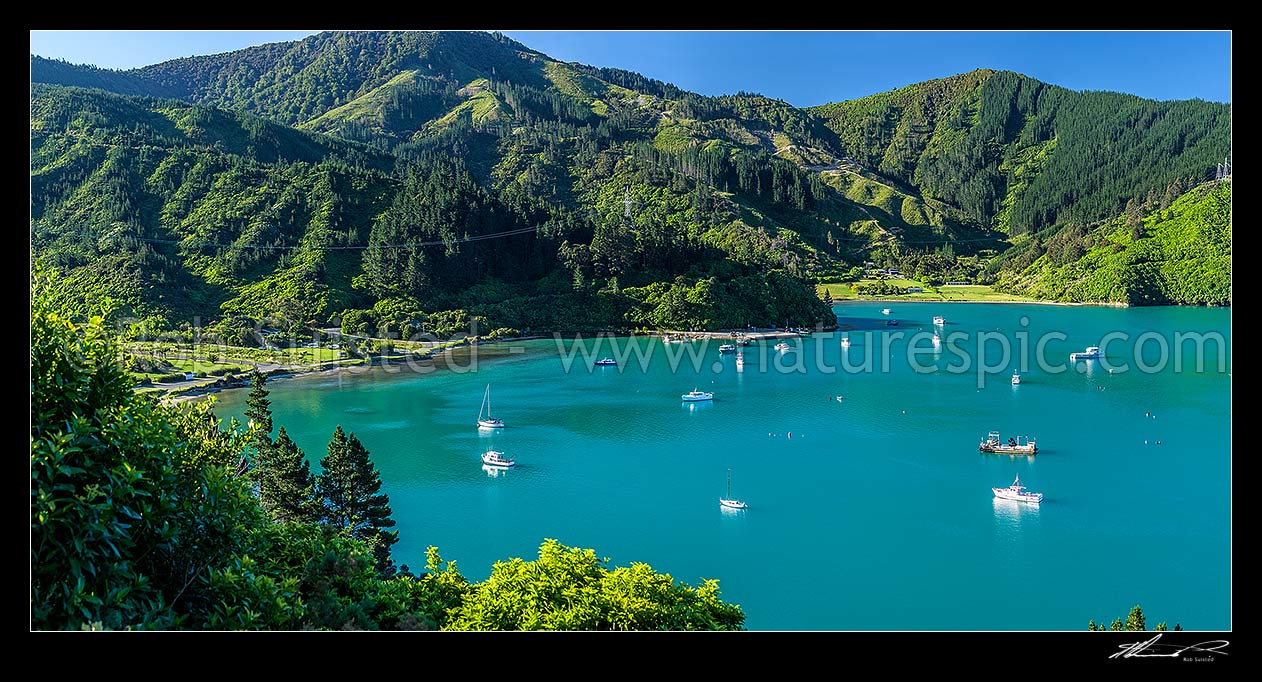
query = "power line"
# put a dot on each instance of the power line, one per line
(348, 247)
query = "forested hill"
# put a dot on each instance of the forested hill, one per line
(410, 177)
(1022, 155)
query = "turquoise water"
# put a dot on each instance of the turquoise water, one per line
(872, 513)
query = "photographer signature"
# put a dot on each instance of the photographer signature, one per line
(1151, 649)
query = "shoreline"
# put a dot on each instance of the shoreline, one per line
(1059, 303)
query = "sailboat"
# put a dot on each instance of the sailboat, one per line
(729, 501)
(488, 422)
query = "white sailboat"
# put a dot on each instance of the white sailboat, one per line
(488, 422)
(729, 501)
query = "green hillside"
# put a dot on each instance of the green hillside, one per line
(1021, 155)
(465, 174)
(1178, 255)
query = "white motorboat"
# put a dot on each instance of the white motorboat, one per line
(939, 320)
(604, 362)
(885, 311)
(694, 396)
(495, 458)
(782, 346)
(1092, 353)
(1016, 378)
(1017, 492)
(727, 348)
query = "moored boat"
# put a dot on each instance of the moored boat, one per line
(1017, 492)
(939, 320)
(495, 458)
(729, 501)
(1021, 445)
(1091, 353)
(696, 396)
(727, 348)
(488, 422)
(605, 362)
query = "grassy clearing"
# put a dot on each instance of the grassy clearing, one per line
(844, 291)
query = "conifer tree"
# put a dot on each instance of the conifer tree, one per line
(350, 497)
(259, 411)
(286, 484)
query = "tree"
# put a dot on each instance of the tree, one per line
(1134, 622)
(351, 501)
(259, 411)
(286, 484)
(828, 298)
(571, 589)
(133, 506)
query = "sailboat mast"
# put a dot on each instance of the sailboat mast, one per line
(729, 484)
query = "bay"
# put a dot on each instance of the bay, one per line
(869, 513)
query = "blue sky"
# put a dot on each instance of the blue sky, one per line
(801, 67)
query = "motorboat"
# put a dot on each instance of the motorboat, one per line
(1016, 378)
(694, 396)
(727, 348)
(782, 346)
(605, 362)
(495, 458)
(1017, 492)
(939, 320)
(1092, 353)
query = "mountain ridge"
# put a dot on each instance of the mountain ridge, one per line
(652, 203)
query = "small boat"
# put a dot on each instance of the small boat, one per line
(1092, 353)
(845, 342)
(1017, 492)
(729, 501)
(604, 362)
(782, 346)
(1016, 378)
(727, 348)
(740, 362)
(1014, 446)
(495, 458)
(892, 323)
(694, 396)
(885, 311)
(939, 320)
(488, 422)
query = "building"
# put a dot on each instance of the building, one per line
(915, 290)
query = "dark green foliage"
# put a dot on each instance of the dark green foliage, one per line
(259, 410)
(132, 503)
(1182, 255)
(285, 483)
(1013, 152)
(351, 500)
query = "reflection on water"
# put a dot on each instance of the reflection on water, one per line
(494, 471)
(1011, 513)
(729, 511)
